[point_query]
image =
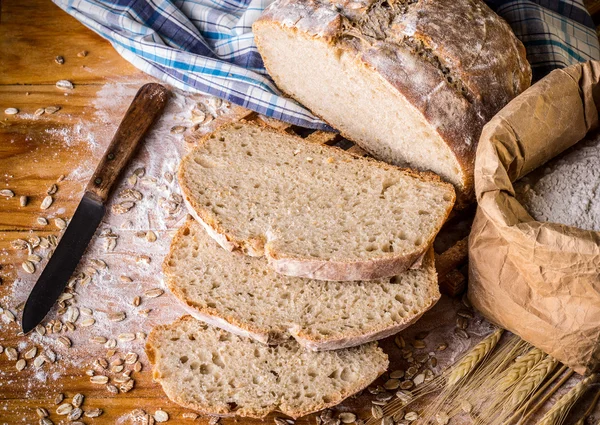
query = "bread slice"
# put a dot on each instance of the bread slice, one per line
(243, 295)
(313, 210)
(217, 373)
(412, 82)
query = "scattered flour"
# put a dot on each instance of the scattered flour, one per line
(567, 189)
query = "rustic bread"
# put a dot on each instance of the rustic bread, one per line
(314, 211)
(217, 373)
(243, 295)
(411, 81)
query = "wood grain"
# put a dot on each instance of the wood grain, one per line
(145, 108)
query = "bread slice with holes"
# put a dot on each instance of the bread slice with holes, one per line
(312, 210)
(218, 373)
(243, 295)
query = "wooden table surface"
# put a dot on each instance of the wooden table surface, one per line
(34, 153)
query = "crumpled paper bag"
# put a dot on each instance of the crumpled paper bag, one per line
(539, 280)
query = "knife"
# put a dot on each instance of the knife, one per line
(147, 105)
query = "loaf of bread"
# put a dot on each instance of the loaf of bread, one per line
(314, 211)
(217, 373)
(243, 295)
(410, 81)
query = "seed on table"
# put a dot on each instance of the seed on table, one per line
(64, 409)
(51, 109)
(461, 333)
(34, 258)
(11, 353)
(31, 353)
(23, 201)
(87, 311)
(87, 322)
(144, 312)
(154, 293)
(178, 129)
(399, 341)
(77, 400)
(93, 413)
(39, 112)
(126, 279)
(98, 340)
(50, 355)
(46, 202)
(118, 316)
(137, 366)
(65, 341)
(161, 416)
(143, 259)
(418, 344)
(136, 301)
(419, 379)
(28, 267)
(99, 379)
(150, 236)
(39, 361)
(7, 192)
(42, 221)
(59, 398)
(131, 358)
(462, 323)
(112, 389)
(20, 365)
(391, 384)
(411, 416)
(126, 337)
(397, 374)
(442, 346)
(140, 335)
(41, 412)
(111, 343)
(64, 84)
(347, 417)
(75, 414)
(59, 60)
(52, 189)
(406, 385)
(11, 111)
(46, 421)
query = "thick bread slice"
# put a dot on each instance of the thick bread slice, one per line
(217, 373)
(411, 81)
(314, 211)
(243, 295)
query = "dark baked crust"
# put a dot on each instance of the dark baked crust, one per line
(456, 61)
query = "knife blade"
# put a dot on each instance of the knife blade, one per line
(146, 106)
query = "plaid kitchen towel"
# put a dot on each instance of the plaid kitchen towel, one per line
(207, 45)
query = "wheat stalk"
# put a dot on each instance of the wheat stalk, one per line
(520, 368)
(531, 381)
(556, 415)
(473, 358)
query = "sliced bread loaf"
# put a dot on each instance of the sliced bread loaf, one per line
(313, 210)
(411, 81)
(215, 372)
(243, 295)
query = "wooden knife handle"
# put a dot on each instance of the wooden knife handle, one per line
(145, 108)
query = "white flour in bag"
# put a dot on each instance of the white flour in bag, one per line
(567, 189)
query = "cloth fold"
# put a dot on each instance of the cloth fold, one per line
(207, 45)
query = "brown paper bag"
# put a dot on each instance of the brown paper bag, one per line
(538, 280)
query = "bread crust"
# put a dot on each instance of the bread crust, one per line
(271, 337)
(335, 397)
(487, 60)
(368, 269)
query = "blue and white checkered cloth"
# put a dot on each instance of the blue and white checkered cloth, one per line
(207, 45)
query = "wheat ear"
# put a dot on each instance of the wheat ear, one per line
(473, 358)
(531, 381)
(520, 368)
(557, 414)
